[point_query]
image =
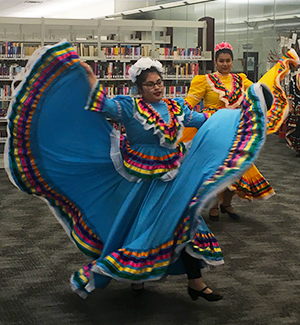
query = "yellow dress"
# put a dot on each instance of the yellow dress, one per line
(219, 92)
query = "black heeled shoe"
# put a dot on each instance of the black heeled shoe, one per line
(214, 218)
(195, 294)
(232, 215)
(137, 289)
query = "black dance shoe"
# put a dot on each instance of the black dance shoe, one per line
(195, 294)
(232, 215)
(137, 289)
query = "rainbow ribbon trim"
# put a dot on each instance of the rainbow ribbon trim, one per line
(97, 99)
(148, 166)
(231, 99)
(280, 107)
(258, 189)
(248, 141)
(152, 264)
(207, 246)
(150, 116)
(23, 168)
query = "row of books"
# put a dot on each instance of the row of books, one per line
(179, 53)
(126, 52)
(3, 110)
(115, 70)
(119, 70)
(20, 50)
(16, 50)
(169, 92)
(135, 52)
(112, 90)
(9, 71)
(181, 70)
(113, 52)
(3, 134)
(5, 92)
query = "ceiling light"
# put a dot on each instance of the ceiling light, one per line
(151, 8)
(128, 12)
(168, 5)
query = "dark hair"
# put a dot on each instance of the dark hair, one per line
(223, 51)
(140, 79)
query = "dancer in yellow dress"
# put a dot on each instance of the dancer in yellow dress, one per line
(223, 89)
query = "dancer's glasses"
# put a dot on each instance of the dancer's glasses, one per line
(151, 85)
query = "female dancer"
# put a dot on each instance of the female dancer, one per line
(223, 89)
(293, 122)
(130, 203)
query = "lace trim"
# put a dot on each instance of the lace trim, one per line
(157, 129)
(116, 156)
(119, 111)
(217, 86)
(118, 160)
(194, 96)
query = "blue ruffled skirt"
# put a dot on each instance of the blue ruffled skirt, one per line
(133, 231)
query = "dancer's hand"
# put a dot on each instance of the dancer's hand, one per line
(90, 74)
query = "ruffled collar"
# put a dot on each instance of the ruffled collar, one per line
(168, 133)
(233, 98)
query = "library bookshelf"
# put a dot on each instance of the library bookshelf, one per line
(109, 46)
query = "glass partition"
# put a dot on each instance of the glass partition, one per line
(259, 30)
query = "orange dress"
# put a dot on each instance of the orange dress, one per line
(218, 92)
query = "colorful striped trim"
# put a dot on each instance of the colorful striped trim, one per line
(81, 277)
(207, 246)
(292, 138)
(149, 167)
(142, 265)
(279, 110)
(292, 134)
(293, 142)
(51, 65)
(148, 115)
(233, 98)
(248, 141)
(148, 265)
(210, 110)
(258, 189)
(97, 99)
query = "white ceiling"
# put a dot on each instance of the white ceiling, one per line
(55, 8)
(82, 8)
(96, 8)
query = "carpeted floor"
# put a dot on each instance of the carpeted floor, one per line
(260, 280)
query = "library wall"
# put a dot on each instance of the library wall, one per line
(245, 24)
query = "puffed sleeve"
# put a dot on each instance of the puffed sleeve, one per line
(191, 118)
(115, 108)
(197, 90)
(247, 83)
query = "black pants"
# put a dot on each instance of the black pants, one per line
(191, 265)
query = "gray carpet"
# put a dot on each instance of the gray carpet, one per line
(260, 280)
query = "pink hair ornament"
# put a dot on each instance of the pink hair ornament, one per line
(223, 46)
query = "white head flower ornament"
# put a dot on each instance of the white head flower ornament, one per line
(143, 64)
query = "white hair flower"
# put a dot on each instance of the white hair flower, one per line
(143, 64)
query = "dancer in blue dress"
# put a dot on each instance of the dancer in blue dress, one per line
(132, 203)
